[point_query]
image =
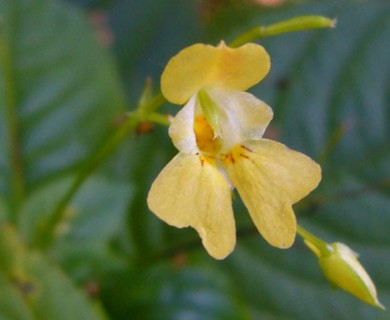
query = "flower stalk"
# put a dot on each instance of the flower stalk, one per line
(146, 111)
(322, 248)
(301, 23)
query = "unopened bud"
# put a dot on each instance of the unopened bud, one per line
(342, 268)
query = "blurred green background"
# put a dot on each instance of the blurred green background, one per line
(69, 72)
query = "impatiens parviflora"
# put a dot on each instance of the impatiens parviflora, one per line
(219, 137)
(342, 268)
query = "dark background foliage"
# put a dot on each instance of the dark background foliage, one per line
(68, 73)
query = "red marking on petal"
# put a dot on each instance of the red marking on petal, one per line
(246, 148)
(244, 156)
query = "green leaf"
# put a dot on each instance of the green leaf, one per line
(32, 288)
(3, 211)
(11, 303)
(86, 246)
(169, 291)
(59, 93)
(93, 219)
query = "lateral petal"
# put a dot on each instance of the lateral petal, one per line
(181, 129)
(191, 192)
(202, 65)
(269, 178)
(294, 173)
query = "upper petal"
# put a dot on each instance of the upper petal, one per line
(191, 192)
(201, 65)
(270, 178)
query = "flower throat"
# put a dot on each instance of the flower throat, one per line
(206, 139)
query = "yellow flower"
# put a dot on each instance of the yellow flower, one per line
(342, 268)
(219, 137)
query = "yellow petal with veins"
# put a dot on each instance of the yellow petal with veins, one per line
(190, 191)
(202, 65)
(269, 178)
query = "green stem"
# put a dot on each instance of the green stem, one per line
(10, 94)
(46, 232)
(290, 25)
(152, 105)
(159, 119)
(317, 242)
(331, 144)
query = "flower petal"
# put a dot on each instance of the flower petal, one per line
(293, 172)
(242, 116)
(191, 192)
(269, 178)
(202, 65)
(181, 129)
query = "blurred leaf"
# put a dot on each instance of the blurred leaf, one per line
(40, 204)
(97, 216)
(58, 93)
(168, 291)
(11, 303)
(32, 288)
(92, 220)
(3, 211)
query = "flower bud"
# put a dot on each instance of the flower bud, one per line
(342, 268)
